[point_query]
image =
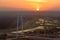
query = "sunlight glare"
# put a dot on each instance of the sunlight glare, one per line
(37, 9)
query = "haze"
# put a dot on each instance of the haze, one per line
(30, 4)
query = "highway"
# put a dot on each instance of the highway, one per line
(27, 30)
(35, 37)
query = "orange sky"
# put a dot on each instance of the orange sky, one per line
(30, 5)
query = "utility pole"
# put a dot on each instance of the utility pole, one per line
(17, 25)
(22, 25)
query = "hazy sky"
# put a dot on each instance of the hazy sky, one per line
(30, 4)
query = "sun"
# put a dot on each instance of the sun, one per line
(37, 9)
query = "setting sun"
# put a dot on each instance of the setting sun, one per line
(34, 5)
(37, 9)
